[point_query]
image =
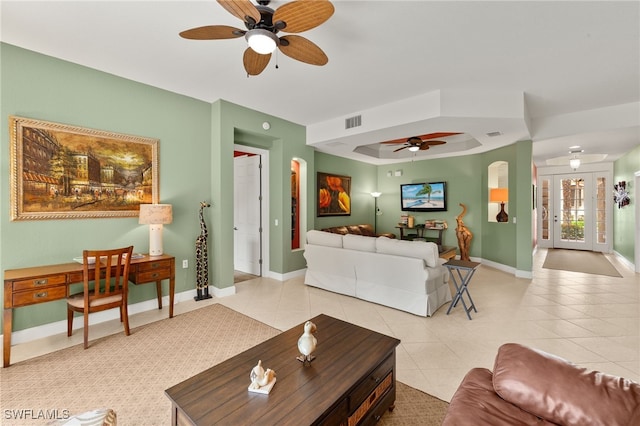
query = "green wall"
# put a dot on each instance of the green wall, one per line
(624, 225)
(466, 177)
(363, 183)
(195, 164)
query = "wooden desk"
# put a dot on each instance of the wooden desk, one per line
(41, 284)
(351, 381)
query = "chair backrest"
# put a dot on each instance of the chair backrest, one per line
(109, 270)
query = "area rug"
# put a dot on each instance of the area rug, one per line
(130, 374)
(588, 262)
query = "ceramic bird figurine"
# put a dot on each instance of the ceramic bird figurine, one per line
(307, 343)
(269, 374)
(257, 375)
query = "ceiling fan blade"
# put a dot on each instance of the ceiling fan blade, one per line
(303, 50)
(424, 147)
(433, 143)
(421, 138)
(437, 135)
(212, 32)
(255, 63)
(241, 8)
(400, 149)
(395, 141)
(302, 15)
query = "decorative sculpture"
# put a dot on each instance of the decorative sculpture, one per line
(307, 343)
(261, 381)
(202, 258)
(463, 234)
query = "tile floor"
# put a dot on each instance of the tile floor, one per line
(591, 320)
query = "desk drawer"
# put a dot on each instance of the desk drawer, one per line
(159, 264)
(371, 382)
(155, 275)
(23, 298)
(41, 282)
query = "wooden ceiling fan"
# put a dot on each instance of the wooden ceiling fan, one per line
(263, 24)
(420, 143)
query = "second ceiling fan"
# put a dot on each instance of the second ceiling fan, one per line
(262, 25)
(420, 143)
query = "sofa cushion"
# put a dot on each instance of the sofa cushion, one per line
(320, 238)
(424, 250)
(560, 392)
(359, 242)
(476, 403)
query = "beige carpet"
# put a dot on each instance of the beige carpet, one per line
(130, 374)
(588, 262)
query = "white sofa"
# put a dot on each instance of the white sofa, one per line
(405, 275)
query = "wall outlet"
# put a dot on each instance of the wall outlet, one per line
(185, 264)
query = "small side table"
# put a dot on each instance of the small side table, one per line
(462, 284)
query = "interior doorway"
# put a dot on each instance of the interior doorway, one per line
(250, 211)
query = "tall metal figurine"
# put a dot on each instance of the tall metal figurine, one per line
(202, 259)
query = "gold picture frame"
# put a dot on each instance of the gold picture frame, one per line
(60, 171)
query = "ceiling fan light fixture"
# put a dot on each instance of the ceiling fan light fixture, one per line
(574, 163)
(414, 148)
(262, 41)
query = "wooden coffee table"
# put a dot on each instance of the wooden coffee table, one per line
(351, 381)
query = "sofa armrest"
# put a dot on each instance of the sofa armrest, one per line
(560, 392)
(476, 403)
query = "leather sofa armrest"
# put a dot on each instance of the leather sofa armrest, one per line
(560, 392)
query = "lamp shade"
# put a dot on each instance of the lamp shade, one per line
(499, 195)
(376, 194)
(155, 214)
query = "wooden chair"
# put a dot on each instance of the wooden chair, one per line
(106, 285)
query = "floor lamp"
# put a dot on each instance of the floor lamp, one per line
(375, 196)
(155, 215)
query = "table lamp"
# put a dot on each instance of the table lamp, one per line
(155, 215)
(500, 195)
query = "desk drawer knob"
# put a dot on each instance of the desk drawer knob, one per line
(155, 265)
(40, 282)
(155, 275)
(41, 295)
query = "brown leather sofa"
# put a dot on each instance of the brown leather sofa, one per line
(531, 387)
(366, 230)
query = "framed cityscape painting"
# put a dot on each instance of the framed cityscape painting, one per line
(61, 171)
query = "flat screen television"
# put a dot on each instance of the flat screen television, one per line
(423, 197)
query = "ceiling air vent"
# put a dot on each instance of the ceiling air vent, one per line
(494, 134)
(351, 122)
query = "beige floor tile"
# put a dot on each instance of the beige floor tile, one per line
(587, 319)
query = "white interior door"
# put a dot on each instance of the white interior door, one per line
(247, 211)
(573, 212)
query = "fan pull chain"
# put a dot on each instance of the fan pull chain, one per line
(277, 59)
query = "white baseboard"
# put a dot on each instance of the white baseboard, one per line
(58, 327)
(286, 276)
(625, 261)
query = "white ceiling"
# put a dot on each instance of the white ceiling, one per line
(558, 73)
